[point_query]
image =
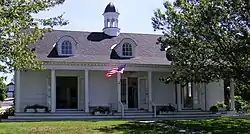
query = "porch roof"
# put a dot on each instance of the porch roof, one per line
(106, 59)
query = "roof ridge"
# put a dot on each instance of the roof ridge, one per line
(61, 30)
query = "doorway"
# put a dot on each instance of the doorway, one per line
(187, 95)
(66, 92)
(132, 92)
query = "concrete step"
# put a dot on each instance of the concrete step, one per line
(53, 114)
(113, 118)
(134, 113)
(187, 113)
(78, 114)
(101, 117)
(126, 113)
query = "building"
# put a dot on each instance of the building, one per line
(77, 61)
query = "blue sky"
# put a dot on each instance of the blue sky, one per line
(86, 15)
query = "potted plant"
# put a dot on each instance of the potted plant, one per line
(221, 106)
(36, 108)
(101, 111)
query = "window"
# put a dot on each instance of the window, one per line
(127, 49)
(66, 48)
(113, 22)
(108, 23)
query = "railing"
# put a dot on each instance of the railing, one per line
(122, 108)
(154, 107)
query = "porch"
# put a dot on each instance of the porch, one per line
(82, 90)
(71, 88)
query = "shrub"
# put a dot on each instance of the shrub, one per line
(2, 95)
(241, 105)
(8, 112)
(102, 110)
(171, 108)
(220, 105)
(35, 107)
(214, 109)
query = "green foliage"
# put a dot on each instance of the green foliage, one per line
(35, 107)
(102, 110)
(7, 112)
(206, 39)
(220, 105)
(3, 89)
(19, 29)
(242, 89)
(241, 105)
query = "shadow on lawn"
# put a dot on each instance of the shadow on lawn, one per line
(215, 126)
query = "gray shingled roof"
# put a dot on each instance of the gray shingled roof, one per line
(95, 47)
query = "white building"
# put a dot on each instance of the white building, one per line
(76, 64)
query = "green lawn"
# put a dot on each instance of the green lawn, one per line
(221, 126)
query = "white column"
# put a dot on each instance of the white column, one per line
(119, 91)
(86, 91)
(53, 90)
(150, 91)
(17, 92)
(232, 100)
(178, 97)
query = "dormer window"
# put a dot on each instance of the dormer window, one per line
(127, 50)
(66, 48)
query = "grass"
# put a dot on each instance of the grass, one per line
(215, 126)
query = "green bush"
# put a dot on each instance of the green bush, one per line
(3, 88)
(8, 112)
(241, 105)
(2, 95)
(220, 105)
(214, 109)
(35, 107)
(102, 110)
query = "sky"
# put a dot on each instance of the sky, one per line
(86, 15)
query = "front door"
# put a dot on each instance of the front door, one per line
(191, 96)
(66, 92)
(132, 92)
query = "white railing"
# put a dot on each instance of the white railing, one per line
(154, 107)
(122, 108)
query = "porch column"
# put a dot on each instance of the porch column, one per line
(17, 90)
(232, 100)
(53, 90)
(119, 91)
(150, 91)
(86, 92)
(178, 97)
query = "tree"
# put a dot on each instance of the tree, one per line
(3, 88)
(242, 89)
(19, 29)
(206, 40)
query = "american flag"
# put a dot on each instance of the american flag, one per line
(115, 70)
